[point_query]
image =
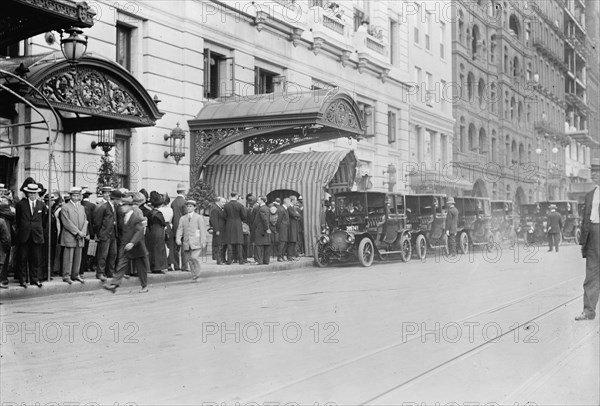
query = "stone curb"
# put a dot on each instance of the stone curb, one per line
(57, 286)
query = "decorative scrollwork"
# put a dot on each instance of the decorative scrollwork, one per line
(340, 113)
(90, 90)
(265, 145)
(203, 141)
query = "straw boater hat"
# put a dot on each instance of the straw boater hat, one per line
(32, 188)
(191, 202)
(105, 189)
(75, 190)
(552, 206)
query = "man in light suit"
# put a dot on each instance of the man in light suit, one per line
(590, 249)
(179, 210)
(32, 220)
(191, 236)
(74, 233)
(131, 246)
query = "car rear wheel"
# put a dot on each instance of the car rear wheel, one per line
(320, 256)
(463, 243)
(366, 252)
(421, 247)
(405, 248)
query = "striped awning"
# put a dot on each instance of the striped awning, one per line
(309, 174)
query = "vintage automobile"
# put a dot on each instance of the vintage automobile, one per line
(474, 223)
(505, 221)
(569, 210)
(426, 215)
(531, 227)
(369, 225)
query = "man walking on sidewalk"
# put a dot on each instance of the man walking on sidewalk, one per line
(105, 228)
(179, 210)
(451, 226)
(191, 236)
(74, 232)
(131, 246)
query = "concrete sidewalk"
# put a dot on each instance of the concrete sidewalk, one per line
(208, 270)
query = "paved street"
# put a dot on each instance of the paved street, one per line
(473, 331)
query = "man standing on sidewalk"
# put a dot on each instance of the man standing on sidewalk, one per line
(105, 228)
(217, 222)
(191, 236)
(31, 214)
(555, 224)
(87, 261)
(590, 249)
(235, 214)
(131, 246)
(262, 232)
(451, 226)
(74, 232)
(179, 210)
(283, 230)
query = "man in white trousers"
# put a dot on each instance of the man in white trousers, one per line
(192, 236)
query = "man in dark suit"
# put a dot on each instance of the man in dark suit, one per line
(590, 249)
(179, 210)
(105, 228)
(262, 232)
(451, 226)
(217, 222)
(235, 213)
(131, 246)
(330, 218)
(283, 229)
(87, 261)
(554, 225)
(31, 220)
(294, 230)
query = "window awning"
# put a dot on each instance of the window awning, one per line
(306, 173)
(270, 123)
(95, 94)
(21, 19)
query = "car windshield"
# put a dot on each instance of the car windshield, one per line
(566, 207)
(360, 204)
(529, 209)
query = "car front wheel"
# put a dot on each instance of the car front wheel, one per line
(366, 252)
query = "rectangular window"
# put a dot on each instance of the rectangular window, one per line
(416, 34)
(263, 81)
(15, 50)
(214, 74)
(124, 46)
(418, 77)
(368, 113)
(392, 119)
(122, 156)
(427, 31)
(444, 148)
(359, 17)
(394, 35)
(442, 39)
(317, 3)
(443, 104)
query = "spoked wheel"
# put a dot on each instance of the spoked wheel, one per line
(405, 248)
(366, 252)
(321, 257)
(421, 247)
(491, 245)
(577, 235)
(463, 243)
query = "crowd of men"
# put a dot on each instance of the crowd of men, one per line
(258, 230)
(132, 233)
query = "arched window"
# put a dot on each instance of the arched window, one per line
(470, 84)
(529, 154)
(514, 152)
(529, 113)
(493, 48)
(472, 135)
(462, 140)
(493, 96)
(514, 26)
(480, 92)
(512, 108)
(506, 59)
(508, 194)
(507, 149)
(520, 111)
(494, 147)
(461, 26)
(483, 142)
(521, 153)
(475, 38)
(516, 67)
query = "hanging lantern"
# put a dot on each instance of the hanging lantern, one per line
(73, 47)
(177, 139)
(106, 141)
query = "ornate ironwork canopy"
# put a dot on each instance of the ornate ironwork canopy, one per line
(22, 19)
(272, 123)
(101, 94)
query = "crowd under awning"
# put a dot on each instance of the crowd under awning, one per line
(310, 174)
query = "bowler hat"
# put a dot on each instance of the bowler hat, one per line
(180, 187)
(116, 194)
(450, 200)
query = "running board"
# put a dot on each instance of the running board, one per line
(389, 252)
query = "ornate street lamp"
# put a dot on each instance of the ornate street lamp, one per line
(177, 138)
(106, 140)
(74, 46)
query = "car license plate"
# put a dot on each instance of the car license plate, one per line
(352, 228)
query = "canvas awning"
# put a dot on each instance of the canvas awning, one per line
(306, 173)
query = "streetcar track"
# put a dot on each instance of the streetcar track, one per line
(469, 352)
(407, 340)
(538, 379)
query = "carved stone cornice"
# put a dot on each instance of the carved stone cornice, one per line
(264, 20)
